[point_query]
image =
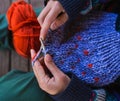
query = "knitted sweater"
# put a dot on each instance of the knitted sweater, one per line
(92, 53)
(73, 91)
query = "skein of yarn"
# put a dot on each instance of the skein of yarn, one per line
(22, 21)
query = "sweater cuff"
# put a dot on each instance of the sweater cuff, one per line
(74, 7)
(100, 95)
(75, 90)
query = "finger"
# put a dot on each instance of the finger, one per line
(39, 71)
(51, 66)
(52, 15)
(38, 68)
(43, 14)
(59, 21)
(33, 53)
(41, 59)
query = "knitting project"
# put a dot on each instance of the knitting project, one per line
(92, 53)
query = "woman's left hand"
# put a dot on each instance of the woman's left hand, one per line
(52, 16)
(52, 82)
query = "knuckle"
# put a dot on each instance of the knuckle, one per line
(62, 77)
(57, 3)
(66, 15)
(39, 18)
(37, 64)
(48, 20)
(44, 29)
(39, 21)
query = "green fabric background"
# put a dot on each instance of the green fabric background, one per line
(4, 33)
(21, 86)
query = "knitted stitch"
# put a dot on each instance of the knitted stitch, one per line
(100, 95)
(93, 53)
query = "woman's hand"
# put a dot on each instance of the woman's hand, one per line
(49, 77)
(52, 16)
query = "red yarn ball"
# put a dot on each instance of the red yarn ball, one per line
(22, 21)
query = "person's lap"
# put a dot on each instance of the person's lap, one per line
(21, 86)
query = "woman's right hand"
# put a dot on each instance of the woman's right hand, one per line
(52, 82)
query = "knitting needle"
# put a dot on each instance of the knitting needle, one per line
(40, 53)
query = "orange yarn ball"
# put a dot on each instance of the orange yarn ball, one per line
(22, 21)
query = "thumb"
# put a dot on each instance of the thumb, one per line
(33, 53)
(51, 66)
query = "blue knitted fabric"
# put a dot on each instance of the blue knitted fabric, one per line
(93, 53)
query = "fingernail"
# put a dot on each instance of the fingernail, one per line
(54, 26)
(32, 54)
(31, 51)
(48, 57)
(41, 37)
